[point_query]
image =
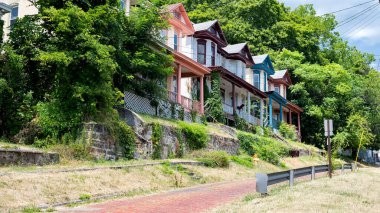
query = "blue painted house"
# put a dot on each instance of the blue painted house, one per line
(275, 84)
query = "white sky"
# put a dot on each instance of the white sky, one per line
(362, 32)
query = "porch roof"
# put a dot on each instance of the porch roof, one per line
(277, 97)
(294, 107)
(5, 8)
(231, 77)
(193, 67)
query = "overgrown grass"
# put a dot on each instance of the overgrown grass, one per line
(196, 135)
(212, 158)
(243, 160)
(342, 193)
(267, 149)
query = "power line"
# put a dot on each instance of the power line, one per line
(360, 28)
(365, 19)
(350, 7)
(357, 15)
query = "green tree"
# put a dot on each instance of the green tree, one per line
(73, 59)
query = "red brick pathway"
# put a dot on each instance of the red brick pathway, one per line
(194, 199)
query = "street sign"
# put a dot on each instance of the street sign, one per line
(328, 132)
(328, 127)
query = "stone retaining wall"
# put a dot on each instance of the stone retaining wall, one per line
(103, 145)
(26, 157)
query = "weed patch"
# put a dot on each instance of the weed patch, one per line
(196, 135)
(213, 158)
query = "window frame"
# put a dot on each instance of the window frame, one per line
(213, 54)
(12, 17)
(258, 80)
(175, 41)
(277, 87)
(201, 42)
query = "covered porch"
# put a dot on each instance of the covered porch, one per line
(281, 110)
(276, 109)
(294, 116)
(185, 69)
(240, 98)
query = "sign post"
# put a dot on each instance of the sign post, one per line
(328, 132)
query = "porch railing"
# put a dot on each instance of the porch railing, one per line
(228, 109)
(187, 103)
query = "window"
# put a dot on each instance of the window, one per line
(201, 51)
(256, 80)
(175, 41)
(14, 15)
(277, 89)
(212, 54)
(163, 36)
(265, 81)
(243, 72)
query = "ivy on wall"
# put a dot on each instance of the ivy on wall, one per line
(214, 105)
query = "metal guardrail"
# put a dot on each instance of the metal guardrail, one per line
(265, 180)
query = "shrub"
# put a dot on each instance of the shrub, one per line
(196, 135)
(212, 158)
(288, 131)
(193, 115)
(181, 113)
(156, 140)
(124, 137)
(204, 120)
(267, 149)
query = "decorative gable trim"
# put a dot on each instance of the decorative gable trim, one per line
(185, 25)
(217, 37)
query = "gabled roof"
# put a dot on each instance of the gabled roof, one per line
(187, 25)
(204, 25)
(202, 30)
(234, 48)
(263, 62)
(283, 77)
(279, 74)
(240, 52)
(259, 59)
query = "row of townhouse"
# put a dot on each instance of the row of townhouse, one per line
(250, 87)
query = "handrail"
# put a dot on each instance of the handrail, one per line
(265, 180)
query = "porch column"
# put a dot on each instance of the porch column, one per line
(202, 95)
(233, 99)
(179, 77)
(281, 113)
(261, 112)
(270, 112)
(290, 117)
(299, 124)
(249, 108)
